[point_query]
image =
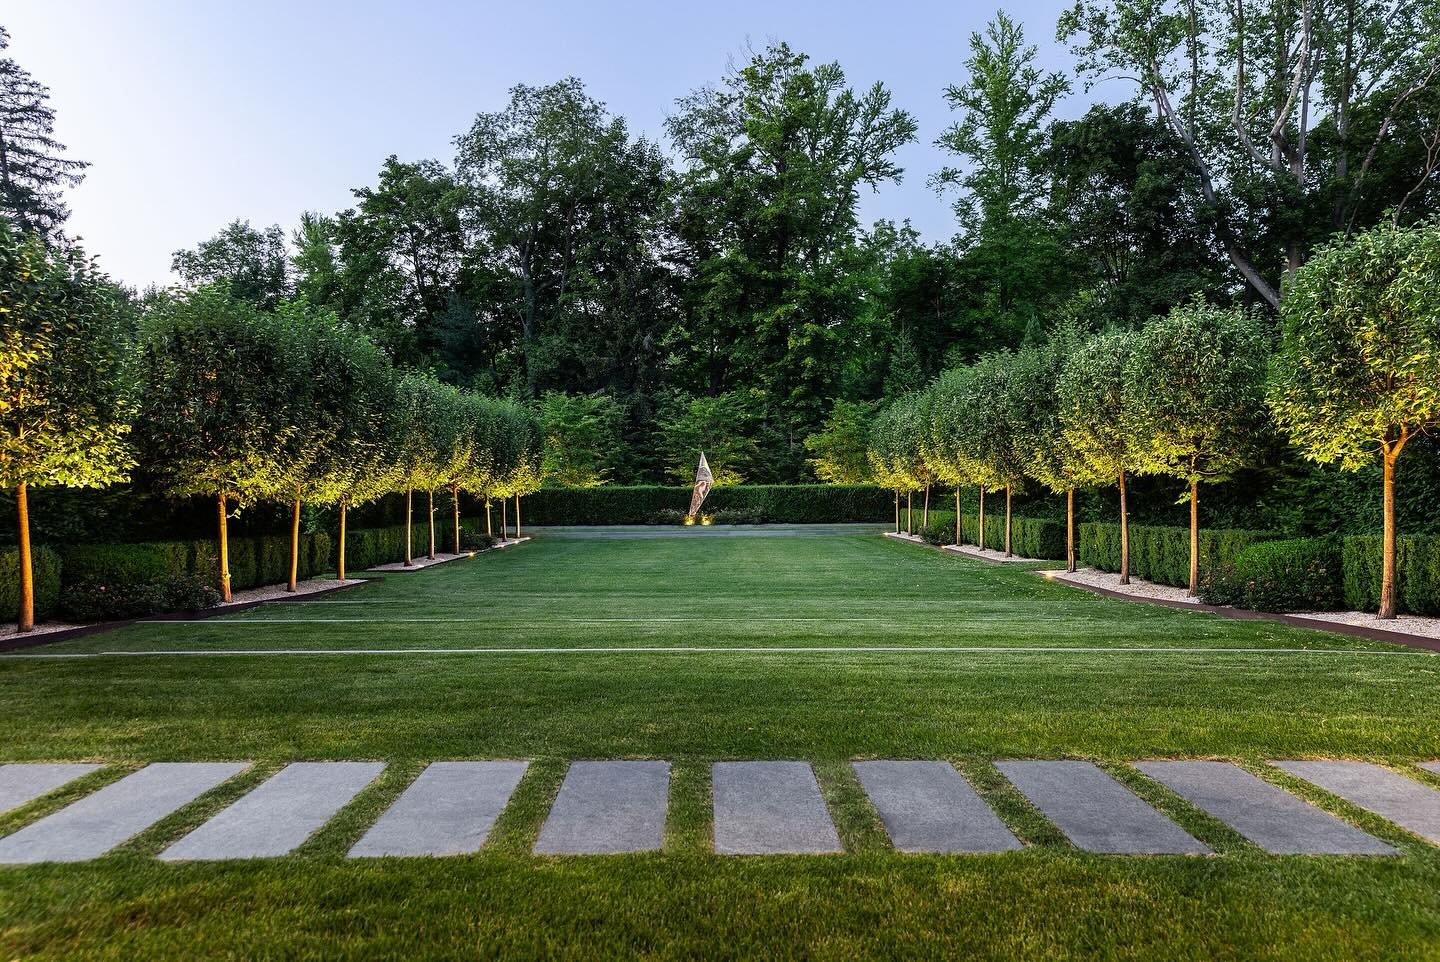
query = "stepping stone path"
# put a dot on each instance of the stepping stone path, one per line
(448, 810)
(930, 807)
(97, 823)
(20, 784)
(770, 808)
(1392, 796)
(1096, 812)
(279, 815)
(608, 807)
(1271, 818)
(760, 808)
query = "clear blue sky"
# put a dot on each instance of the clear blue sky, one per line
(196, 113)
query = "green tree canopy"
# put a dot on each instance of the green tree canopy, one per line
(839, 449)
(253, 263)
(582, 438)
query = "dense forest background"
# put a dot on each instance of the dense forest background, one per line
(718, 290)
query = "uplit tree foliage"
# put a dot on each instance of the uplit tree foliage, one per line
(64, 391)
(722, 427)
(896, 459)
(582, 438)
(1196, 392)
(1357, 375)
(838, 449)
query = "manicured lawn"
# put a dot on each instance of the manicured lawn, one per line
(693, 708)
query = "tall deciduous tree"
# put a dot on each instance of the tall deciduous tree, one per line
(722, 427)
(34, 170)
(839, 448)
(1094, 414)
(896, 457)
(64, 391)
(216, 377)
(1196, 385)
(990, 428)
(254, 263)
(943, 444)
(582, 438)
(1358, 370)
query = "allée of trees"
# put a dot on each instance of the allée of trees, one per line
(1196, 394)
(207, 393)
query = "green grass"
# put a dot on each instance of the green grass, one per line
(1339, 698)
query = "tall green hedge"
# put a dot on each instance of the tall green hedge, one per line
(1162, 554)
(752, 503)
(46, 567)
(1417, 573)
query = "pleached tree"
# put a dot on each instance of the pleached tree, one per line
(990, 427)
(64, 387)
(941, 445)
(894, 450)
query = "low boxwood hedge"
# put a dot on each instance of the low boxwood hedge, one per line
(1297, 574)
(746, 503)
(46, 567)
(1162, 554)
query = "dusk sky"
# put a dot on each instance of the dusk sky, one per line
(194, 114)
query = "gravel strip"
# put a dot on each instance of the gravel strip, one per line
(989, 554)
(1138, 587)
(280, 592)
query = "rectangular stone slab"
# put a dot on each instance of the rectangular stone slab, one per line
(770, 808)
(97, 823)
(1388, 794)
(930, 807)
(279, 815)
(608, 807)
(1271, 818)
(24, 782)
(1096, 812)
(448, 810)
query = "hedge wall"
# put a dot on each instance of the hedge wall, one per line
(1162, 555)
(741, 504)
(1029, 537)
(1417, 574)
(46, 566)
(1298, 574)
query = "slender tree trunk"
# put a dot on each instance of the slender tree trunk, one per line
(294, 583)
(957, 514)
(1070, 530)
(1124, 536)
(340, 548)
(1388, 607)
(909, 512)
(1194, 538)
(489, 529)
(925, 512)
(224, 552)
(980, 535)
(897, 512)
(517, 517)
(430, 541)
(455, 506)
(409, 505)
(1007, 521)
(504, 525)
(26, 621)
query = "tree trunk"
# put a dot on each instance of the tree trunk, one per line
(980, 535)
(1194, 538)
(224, 553)
(1124, 536)
(430, 540)
(489, 529)
(409, 504)
(504, 525)
(340, 548)
(1388, 608)
(957, 514)
(897, 512)
(517, 517)
(1007, 520)
(294, 583)
(1070, 530)
(925, 513)
(455, 506)
(909, 512)
(26, 620)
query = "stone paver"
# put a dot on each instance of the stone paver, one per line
(97, 823)
(1096, 812)
(1433, 767)
(769, 808)
(280, 814)
(1402, 800)
(608, 807)
(24, 782)
(930, 807)
(448, 810)
(1271, 818)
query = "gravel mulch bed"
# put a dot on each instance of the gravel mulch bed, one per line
(989, 554)
(1138, 587)
(423, 562)
(279, 592)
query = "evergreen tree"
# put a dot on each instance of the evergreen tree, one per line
(34, 170)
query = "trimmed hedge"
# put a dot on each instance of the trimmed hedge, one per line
(1029, 537)
(46, 567)
(746, 503)
(1300, 574)
(1161, 554)
(1417, 574)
